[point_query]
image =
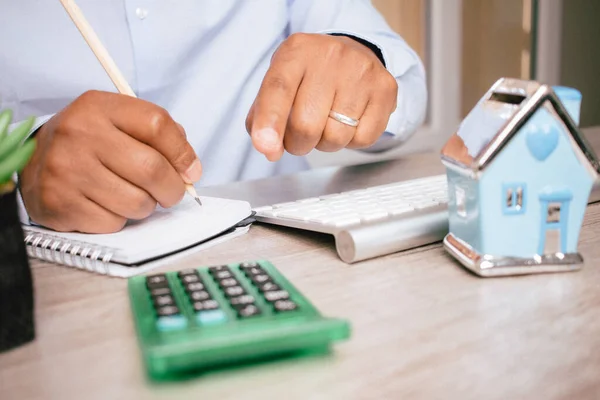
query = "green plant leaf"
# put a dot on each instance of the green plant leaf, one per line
(5, 118)
(16, 161)
(12, 141)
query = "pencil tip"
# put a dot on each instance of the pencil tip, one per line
(198, 200)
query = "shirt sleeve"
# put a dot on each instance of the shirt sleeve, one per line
(23, 214)
(359, 18)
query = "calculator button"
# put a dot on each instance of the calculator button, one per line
(171, 323)
(249, 264)
(222, 274)
(212, 317)
(228, 282)
(234, 291)
(254, 271)
(241, 300)
(218, 268)
(189, 271)
(167, 310)
(190, 278)
(262, 278)
(268, 287)
(285, 305)
(205, 305)
(156, 281)
(276, 295)
(190, 287)
(160, 291)
(249, 310)
(164, 300)
(199, 295)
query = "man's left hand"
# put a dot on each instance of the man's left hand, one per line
(311, 75)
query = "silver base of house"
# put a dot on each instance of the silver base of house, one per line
(488, 266)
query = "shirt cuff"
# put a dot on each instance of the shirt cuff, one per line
(23, 214)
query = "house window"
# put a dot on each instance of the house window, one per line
(514, 199)
(553, 213)
(461, 202)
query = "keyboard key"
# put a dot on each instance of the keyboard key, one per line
(282, 205)
(157, 281)
(228, 282)
(199, 295)
(309, 200)
(374, 216)
(234, 291)
(171, 323)
(259, 210)
(205, 305)
(268, 287)
(164, 300)
(285, 305)
(191, 287)
(167, 310)
(160, 291)
(397, 210)
(213, 317)
(241, 300)
(276, 295)
(190, 278)
(347, 222)
(425, 203)
(249, 310)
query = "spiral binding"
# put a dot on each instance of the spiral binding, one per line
(72, 253)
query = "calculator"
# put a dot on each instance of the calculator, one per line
(197, 319)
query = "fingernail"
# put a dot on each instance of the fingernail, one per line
(194, 172)
(268, 138)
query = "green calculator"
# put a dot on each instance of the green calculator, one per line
(196, 319)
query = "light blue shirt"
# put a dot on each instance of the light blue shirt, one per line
(202, 60)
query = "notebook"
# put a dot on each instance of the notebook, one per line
(146, 244)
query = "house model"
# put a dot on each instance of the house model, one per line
(519, 178)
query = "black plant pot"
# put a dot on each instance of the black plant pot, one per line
(16, 286)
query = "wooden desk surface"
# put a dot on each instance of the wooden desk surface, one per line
(423, 327)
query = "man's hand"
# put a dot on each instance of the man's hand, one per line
(310, 75)
(104, 159)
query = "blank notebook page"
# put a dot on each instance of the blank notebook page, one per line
(166, 230)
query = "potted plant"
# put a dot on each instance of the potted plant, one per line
(16, 288)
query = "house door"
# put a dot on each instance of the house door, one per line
(554, 226)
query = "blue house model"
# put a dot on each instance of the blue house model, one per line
(519, 178)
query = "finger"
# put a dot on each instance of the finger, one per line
(309, 113)
(337, 134)
(152, 125)
(142, 166)
(93, 218)
(118, 195)
(183, 132)
(273, 105)
(250, 118)
(371, 126)
(83, 215)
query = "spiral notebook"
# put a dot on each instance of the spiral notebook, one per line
(146, 244)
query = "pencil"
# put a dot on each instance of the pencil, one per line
(106, 60)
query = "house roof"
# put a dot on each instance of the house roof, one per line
(518, 100)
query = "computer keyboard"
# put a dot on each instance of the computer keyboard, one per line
(373, 221)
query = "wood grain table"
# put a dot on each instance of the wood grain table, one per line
(422, 326)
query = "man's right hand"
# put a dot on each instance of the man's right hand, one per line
(104, 159)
